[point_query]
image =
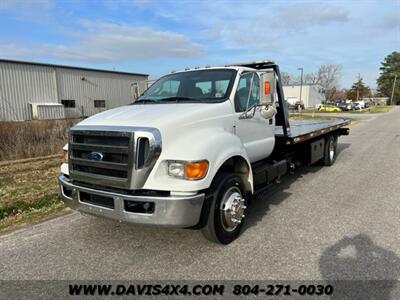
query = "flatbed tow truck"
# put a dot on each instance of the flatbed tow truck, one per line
(192, 150)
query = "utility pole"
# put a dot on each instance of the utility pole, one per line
(358, 86)
(301, 83)
(394, 84)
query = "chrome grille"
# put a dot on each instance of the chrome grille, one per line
(111, 156)
(114, 162)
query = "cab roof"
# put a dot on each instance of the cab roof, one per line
(245, 66)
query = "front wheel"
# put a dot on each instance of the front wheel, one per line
(226, 214)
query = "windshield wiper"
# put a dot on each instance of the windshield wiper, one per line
(179, 99)
(141, 101)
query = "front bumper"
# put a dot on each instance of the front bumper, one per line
(171, 211)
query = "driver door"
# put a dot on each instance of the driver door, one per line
(255, 132)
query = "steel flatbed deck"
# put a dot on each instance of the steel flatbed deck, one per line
(302, 130)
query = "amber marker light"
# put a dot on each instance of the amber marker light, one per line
(267, 87)
(196, 170)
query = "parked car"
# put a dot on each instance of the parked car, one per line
(294, 103)
(357, 105)
(346, 106)
(360, 104)
(329, 108)
(337, 103)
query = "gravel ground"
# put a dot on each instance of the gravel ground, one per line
(339, 222)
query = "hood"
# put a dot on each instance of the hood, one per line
(159, 115)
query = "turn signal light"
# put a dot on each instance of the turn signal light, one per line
(267, 87)
(196, 170)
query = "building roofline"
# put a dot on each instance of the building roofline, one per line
(304, 84)
(67, 67)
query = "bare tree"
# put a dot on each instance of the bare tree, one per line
(311, 78)
(286, 78)
(327, 76)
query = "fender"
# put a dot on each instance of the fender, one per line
(216, 145)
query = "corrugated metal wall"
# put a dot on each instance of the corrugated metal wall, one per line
(47, 112)
(315, 96)
(22, 84)
(86, 86)
(309, 94)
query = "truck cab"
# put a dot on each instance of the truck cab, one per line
(191, 150)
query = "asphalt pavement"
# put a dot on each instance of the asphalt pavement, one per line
(339, 222)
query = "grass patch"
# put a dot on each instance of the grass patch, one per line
(33, 138)
(301, 116)
(28, 191)
(373, 110)
(310, 110)
(5, 180)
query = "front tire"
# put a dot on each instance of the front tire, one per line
(226, 214)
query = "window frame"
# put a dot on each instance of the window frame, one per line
(99, 101)
(244, 73)
(65, 101)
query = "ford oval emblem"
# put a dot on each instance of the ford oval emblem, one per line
(95, 156)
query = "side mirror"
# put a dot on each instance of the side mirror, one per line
(268, 88)
(267, 111)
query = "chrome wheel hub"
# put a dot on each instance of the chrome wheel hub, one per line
(232, 209)
(331, 151)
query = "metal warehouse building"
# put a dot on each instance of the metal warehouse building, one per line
(30, 90)
(311, 94)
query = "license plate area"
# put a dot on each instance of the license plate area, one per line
(98, 200)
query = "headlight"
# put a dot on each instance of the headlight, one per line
(190, 170)
(65, 156)
(176, 169)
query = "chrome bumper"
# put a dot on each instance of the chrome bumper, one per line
(168, 211)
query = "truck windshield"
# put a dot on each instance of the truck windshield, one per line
(193, 86)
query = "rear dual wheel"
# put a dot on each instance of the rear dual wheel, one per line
(330, 150)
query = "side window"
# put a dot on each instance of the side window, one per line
(255, 91)
(245, 97)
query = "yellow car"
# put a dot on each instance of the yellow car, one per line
(329, 108)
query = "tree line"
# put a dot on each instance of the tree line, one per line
(328, 77)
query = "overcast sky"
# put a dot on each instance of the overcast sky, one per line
(156, 37)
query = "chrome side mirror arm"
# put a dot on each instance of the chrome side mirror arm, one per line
(249, 112)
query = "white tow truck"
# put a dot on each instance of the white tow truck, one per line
(192, 149)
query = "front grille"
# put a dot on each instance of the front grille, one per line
(102, 157)
(115, 157)
(100, 171)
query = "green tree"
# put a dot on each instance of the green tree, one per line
(358, 89)
(390, 67)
